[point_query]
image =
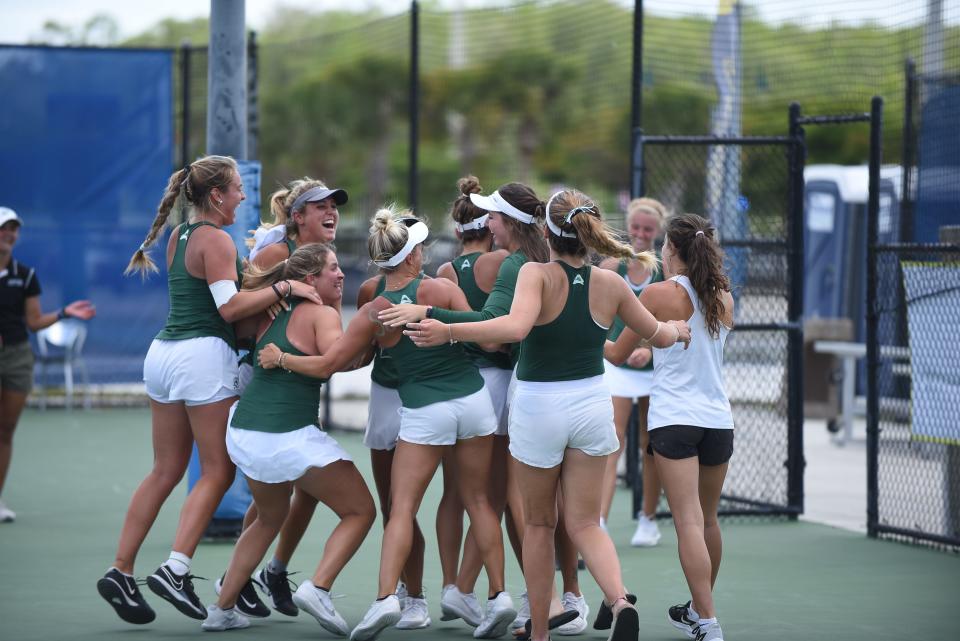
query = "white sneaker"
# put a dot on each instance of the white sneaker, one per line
(415, 614)
(6, 514)
(647, 533)
(572, 602)
(454, 604)
(710, 632)
(219, 620)
(523, 613)
(496, 621)
(317, 602)
(401, 593)
(381, 615)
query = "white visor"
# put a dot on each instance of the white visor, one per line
(416, 234)
(476, 223)
(496, 202)
(556, 231)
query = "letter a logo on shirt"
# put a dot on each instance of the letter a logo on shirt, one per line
(465, 264)
(578, 280)
(405, 299)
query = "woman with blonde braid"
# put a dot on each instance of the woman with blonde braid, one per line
(304, 212)
(690, 421)
(276, 442)
(444, 404)
(561, 417)
(191, 378)
(633, 379)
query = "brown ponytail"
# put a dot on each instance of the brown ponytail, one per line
(693, 238)
(307, 260)
(187, 187)
(464, 211)
(528, 236)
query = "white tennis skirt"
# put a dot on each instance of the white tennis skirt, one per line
(270, 457)
(627, 383)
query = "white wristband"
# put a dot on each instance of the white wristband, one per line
(223, 291)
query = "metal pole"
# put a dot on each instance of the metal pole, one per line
(906, 163)
(634, 477)
(637, 169)
(414, 102)
(795, 459)
(873, 347)
(185, 53)
(253, 81)
(227, 80)
(951, 471)
(636, 97)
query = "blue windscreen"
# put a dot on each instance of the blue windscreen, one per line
(85, 153)
(938, 185)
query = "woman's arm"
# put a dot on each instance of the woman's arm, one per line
(511, 328)
(340, 354)
(639, 319)
(219, 264)
(37, 320)
(498, 303)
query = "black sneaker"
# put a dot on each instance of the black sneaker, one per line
(277, 587)
(626, 624)
(121, 592)
(248, 602)
(679, 617)
(178, 590)
(605, 615)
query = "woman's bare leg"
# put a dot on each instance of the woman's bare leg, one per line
(172, 445)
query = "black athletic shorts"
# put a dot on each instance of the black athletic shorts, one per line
(712, 446)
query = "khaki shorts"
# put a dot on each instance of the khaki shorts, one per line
(16, 367)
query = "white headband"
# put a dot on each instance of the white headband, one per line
(553, 228)
(476, 223)
(496, 202)
(416, 234)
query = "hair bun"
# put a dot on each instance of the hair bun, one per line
(381, 220)
(469, 185)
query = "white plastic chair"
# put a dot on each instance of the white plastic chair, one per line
(62, 343)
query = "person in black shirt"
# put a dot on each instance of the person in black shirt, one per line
(19, 311)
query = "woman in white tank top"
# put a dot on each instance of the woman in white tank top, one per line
(690, 421)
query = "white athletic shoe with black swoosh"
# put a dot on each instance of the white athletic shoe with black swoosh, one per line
(248, 603)
(679, 617)
(178, 590)
(121, 592)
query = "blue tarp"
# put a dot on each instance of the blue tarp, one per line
(85, 152)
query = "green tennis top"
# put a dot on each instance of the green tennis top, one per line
(477, 298)
(277, 400)
(571, 346)
(384, 372)
(498, 302)
(193, 312)
(430, 375)
(618, 324)
(291, 246)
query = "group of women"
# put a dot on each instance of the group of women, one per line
(494, 369)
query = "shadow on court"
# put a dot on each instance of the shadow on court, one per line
(74, 472)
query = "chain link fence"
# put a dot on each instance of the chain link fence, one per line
(917, 457)
(765, 475)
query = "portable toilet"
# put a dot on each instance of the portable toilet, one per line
(835, 239)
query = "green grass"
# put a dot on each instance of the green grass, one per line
(73, 474)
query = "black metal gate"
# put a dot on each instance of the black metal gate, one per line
(758, 209)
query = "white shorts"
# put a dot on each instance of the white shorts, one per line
(627, 383)
(197, 371)
(547, 418)
(271, 457)
(383, 418)
(497, 382)
(447, 422)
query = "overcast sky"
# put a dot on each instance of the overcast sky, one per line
(23, 19)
